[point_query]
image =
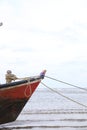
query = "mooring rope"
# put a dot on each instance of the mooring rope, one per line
(64, 96)
(66, 83)
(26, 89)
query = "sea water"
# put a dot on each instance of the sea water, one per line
(47, 110)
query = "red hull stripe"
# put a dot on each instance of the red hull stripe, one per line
(24, 90)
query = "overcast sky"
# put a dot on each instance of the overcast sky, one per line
(44, 34)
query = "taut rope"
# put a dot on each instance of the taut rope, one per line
(66, 83)
(65, 96)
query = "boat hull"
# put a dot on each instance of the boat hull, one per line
(13, 98)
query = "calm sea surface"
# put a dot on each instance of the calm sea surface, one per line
(47, 110)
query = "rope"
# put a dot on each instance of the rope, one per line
(66, 83)
(26, 89)
(64, 96)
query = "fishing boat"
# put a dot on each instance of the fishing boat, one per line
(14, 96)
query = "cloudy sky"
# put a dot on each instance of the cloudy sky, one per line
(44, 34)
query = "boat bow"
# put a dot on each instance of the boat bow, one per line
(15, 95)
